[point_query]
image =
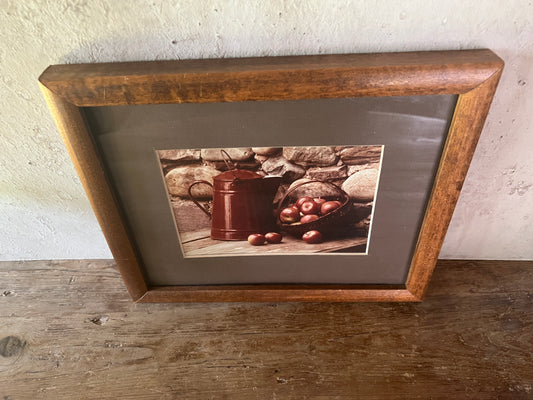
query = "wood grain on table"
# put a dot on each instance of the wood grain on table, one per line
(70, 331)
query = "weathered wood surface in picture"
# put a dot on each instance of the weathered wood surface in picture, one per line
(199, 244)
(70, 331)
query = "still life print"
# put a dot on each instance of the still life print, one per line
(272, 200)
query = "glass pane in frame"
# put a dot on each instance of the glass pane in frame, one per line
(411, 129)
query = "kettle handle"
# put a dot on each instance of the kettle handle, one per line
(196, 201)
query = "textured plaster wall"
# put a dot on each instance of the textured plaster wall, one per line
(44, 213)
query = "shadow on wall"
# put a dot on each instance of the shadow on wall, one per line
(164, 47)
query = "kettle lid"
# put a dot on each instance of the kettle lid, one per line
(236, 174)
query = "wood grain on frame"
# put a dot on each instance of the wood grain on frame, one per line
(472, 74)
(271, 78)
(80, 146)
(467, 123)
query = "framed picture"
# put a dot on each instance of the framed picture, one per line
(304, 178)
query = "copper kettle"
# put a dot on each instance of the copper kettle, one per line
(242, 203)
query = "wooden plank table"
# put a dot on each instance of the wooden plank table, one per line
(69, 331)
(199, 244)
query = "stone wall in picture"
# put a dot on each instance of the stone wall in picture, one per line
(354, 168)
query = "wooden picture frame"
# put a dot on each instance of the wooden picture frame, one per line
(471, 75)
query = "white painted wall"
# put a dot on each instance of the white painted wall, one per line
(44, 213)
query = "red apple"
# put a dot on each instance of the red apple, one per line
(308, 218)
(302, 200)
(256, 239)
(312, 237)
(319, 200)
(273, 237)
(309, 207)
(289, 215)
(329, 206)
